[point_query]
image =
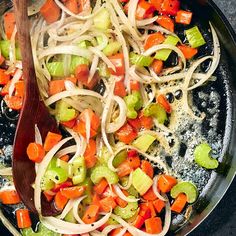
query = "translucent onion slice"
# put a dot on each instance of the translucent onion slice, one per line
(67, 208)
(74, 92)
(63, 227)
(93, 68)
(12, 49)
(87, 126)
(122, 195)
(109, 228)
(6, 171)
(114, 126)
(132, 12)
(17, 76)
(38, 137)
(67, 150)
(147, 21)
(41, 171)
(75, 209)
(155, 190)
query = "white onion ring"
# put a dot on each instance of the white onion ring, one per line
(155, 190)
(122, 196)
(75, 209)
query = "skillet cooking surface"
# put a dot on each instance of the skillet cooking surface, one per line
(223, 129)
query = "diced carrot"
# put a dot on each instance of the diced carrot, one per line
(132, 153)
(94, 119)
(51, 140)
(73, 6)
(80, 127)
(58, 187)
(157, 4)
(184, 17)
(13, 102)
(179, 203)
(50, 11)
(109, 192)
(101, 186)
(48, 195)
(35, 152)
(146, 122)
(135, 123)
(23, 218)
(124, 169)
(188, 51)
(20, 89)
(153, 39)
(70, 124)
(144, 9)
(134, 162)
(166, 183)
(2, 59)
(4, 78)
(96, 200)
(149, 195)
(117, 231)
(145, 211)
(126, 134)
(159, 205)
(91, 214)
(147, 168)
(151, 207)
(153, 225)
(9, 197)
(90, 154)
(134, 85)
(166, 22)
(60, 201)
(119, 89)
(73, 192)
(119, 63)
(65, 158)
(161, 99)
(9, 23)
(107, 204)
(157, 66)
(138, 222)
(5, 89)
(170, 7)
(121, 202)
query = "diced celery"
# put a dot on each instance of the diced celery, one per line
(62, 164)
(187, 188)
(55, 69)
(202, 157)
(104, 156)
(99, 39)
(111, 221)
(102, 20)
(64, 112)
(195, 37)
(112, 48)
(46, 183)
(5, 46)
(100, 172)
(163, 54)
(128, 211)
(52, 163)
(131, 190)
(103, 70)
(157, 111)
(88, 190)
(144, 142)
(70, 217)
(79, 170)
(141, 181)
(119, 158)
(42, 231)
(140, 60)
(84, 44)
(57, 175)
(77, 60)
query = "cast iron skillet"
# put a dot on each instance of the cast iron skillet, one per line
(204, 11)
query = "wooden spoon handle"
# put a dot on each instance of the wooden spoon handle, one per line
(23, 33)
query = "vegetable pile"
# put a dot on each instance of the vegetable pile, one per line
(103, 71)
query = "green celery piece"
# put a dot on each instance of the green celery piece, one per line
(100, 172)
(144, 142)
(112, 48)
(70, 217)
(64, 112)
(42, 231)
(62, 164)
(187, 188)
(111, 221)
(157, 111)
(88, 191)
(131, 190)
(79, 170)
(140, 60)
(99, 40)
(195, 37)
(84, 44)
(77, 60)
(46, 183)
(202, 157)
(5, 45)
(104, 156)
(55, 69)
(102, 20)
(57, 175)
(52, 163)
(119, 158)
(141, 181)
(163, 54)
(128, 211)
(103, 70)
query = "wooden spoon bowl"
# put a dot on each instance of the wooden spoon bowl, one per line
(33, 112)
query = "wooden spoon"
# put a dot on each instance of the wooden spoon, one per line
(33, 112)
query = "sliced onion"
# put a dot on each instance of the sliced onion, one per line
(114, 126)
(6, 171)
(155, 190)
(93, 68)
(41, 171)
(67, 208)
(122, 232)
(17, 76)
(75, 209)
(67, 150)
(109, 228)
(38, 137)
(132, 12)
(64, 227)
(122, 195)
(87, 126)
(12, 49)
(128, 185)
(147, 21)
(74, 92)
(69, 85)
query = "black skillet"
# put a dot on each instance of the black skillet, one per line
(204, 11)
